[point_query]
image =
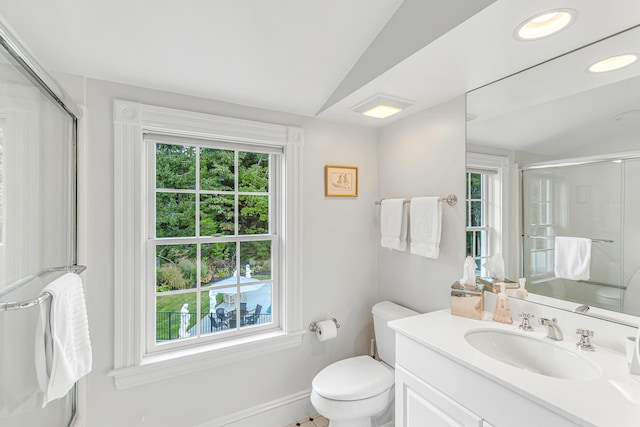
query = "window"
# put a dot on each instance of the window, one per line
(213, 241)
(485, 208)
(478, 230)
(207, 238)
(539, 221)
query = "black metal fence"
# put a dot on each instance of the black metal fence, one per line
(168, 323)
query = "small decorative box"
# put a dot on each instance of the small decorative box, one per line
(491, 284)
(467, 301)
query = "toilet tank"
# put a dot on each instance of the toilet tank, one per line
(383, 312)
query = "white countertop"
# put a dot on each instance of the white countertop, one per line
(613, 400)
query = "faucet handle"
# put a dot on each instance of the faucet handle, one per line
(525, 325)
(584, 343)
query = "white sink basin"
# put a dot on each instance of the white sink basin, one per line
(533, 354)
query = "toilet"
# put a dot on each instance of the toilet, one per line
(630, 296)
(358, 391)
(609, 297)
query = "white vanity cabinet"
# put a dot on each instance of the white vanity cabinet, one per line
(433, 390)
(419, 404)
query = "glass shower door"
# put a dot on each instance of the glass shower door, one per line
(576, 201)
(37, 232)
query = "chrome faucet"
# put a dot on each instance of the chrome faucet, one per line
(553, 330)
(581, 309)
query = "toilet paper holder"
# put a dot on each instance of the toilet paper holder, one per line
(313, 326)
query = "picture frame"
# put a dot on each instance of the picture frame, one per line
(340, 181)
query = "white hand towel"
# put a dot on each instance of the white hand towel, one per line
(426, 226)
(572, 258)
(393, 224)
(63, 348)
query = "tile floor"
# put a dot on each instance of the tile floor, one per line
(312, 421)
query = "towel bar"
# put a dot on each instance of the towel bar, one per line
(8, 306)
(553, 237)
(451, 200)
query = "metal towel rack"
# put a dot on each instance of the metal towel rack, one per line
(553, 237)
(451, 200)
(8, 306)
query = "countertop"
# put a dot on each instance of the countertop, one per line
(612, 400)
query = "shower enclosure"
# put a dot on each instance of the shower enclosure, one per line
(37, 224)
(594, 199)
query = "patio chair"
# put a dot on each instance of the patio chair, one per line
(252, 319)
(214, 323)
(243, 313)
(223, 319)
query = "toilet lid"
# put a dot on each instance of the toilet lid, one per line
(353, 379)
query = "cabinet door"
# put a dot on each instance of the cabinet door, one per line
(418, 405)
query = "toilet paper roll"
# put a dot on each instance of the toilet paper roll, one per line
(326, 330)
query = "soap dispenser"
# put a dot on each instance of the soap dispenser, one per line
(522, 292)
(502, 312)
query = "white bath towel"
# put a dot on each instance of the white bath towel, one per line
(63, 348)
(426, 226)
(393, 224)
(572, 258)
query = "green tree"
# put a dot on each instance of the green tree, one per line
(175, 212)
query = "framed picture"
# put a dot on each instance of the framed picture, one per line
(340, 181)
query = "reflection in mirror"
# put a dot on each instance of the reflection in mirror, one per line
(563, 141)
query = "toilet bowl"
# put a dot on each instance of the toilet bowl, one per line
(609, 297)
(627, 300)
(354, 392)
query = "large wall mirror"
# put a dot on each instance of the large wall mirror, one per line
(555, 151)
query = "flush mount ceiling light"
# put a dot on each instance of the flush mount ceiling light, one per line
(545, 24)
(613, 63)
(382, 106)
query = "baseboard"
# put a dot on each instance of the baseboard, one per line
(275, 413)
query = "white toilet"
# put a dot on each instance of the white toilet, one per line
(354, 392)
(630, 296)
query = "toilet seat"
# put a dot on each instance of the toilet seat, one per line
(609, 296)
(355, 378)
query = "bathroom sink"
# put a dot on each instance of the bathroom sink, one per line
(533, 354)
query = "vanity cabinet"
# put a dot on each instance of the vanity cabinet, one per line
(419, 404)
(433, 390)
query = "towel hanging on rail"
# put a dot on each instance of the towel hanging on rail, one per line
(426, 226)
(63, 348)
(572, 258)
(393, 224)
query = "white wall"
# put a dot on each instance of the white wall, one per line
(339, 273)
(423, 155)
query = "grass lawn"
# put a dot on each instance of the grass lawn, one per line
(168, 325)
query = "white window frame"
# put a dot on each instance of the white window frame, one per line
(275, 176)
(133, 363)
(541, 249)
(496, 212)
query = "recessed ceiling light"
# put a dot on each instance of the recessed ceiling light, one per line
(545, 24)
(382, 106)
(613, 63)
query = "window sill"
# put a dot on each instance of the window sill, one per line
(184, 361)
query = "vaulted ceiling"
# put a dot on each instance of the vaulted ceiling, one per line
(304, 57)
